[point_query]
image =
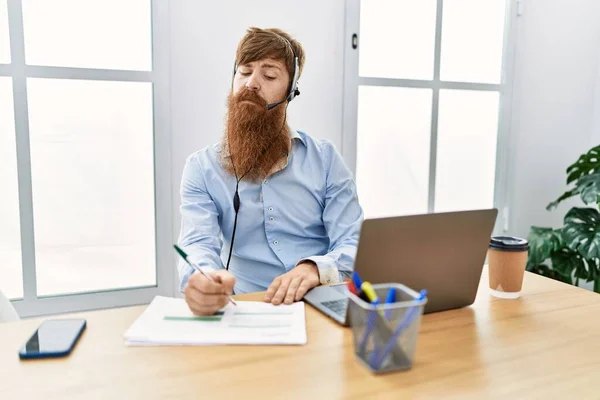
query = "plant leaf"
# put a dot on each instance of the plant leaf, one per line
(589, 187)
(566, 261)
(581, 232)
(542, 242)
(544, 270)
(587, 163)
(564, 196)
(593, 269)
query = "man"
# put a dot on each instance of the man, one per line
(298, 216)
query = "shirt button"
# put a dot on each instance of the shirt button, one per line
(270, 208)
(271, 219)
(265, 181)
(276, 243)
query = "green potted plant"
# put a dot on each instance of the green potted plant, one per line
(574, 249)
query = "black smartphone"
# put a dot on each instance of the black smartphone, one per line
(53, 338)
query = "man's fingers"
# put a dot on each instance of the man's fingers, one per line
(204, 310)
(281, 292)
(207, 299)
(226, 279)
(201, 304)
(291, 292)
(272, 289)
(204, 285)
(193, 295)
(304, 287)
(194, 306)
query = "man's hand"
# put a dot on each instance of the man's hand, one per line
(293, 285)
(204, 297)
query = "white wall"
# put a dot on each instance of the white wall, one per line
(204, 37)
(595, 134)
(556, 105)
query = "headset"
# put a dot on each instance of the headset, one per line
(292, 93)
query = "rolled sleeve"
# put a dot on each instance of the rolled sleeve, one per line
(328, 270)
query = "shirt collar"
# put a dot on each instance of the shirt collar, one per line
(293, 134)
(296, 136)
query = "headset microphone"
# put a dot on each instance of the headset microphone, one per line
(295, 93)
(273, 105)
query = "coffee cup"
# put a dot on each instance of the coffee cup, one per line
(507, 259)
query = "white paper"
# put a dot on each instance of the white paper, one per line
(168, 321)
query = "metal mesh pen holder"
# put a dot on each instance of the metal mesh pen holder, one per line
(385, 335)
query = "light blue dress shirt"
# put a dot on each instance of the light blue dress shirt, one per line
(308, 210)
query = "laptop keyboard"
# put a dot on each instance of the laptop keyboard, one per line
(337, 306)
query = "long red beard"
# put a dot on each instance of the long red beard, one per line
(255, 137)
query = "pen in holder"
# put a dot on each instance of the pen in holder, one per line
(385, 334)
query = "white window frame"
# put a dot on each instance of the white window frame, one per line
(352, 81)
(31, 304)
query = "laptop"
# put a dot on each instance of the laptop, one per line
(441, 252)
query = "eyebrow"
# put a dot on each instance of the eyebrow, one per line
(264, 65)
(267, 65)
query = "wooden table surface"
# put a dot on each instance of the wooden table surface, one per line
(545, 345)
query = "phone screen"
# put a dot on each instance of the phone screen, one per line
(53, 338)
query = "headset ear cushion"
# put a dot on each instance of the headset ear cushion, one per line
(293, 95)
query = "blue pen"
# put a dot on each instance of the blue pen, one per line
(367, 288)
(377, 359)
(357, 281)
(391, 298)
(358, 285)
(371, 319)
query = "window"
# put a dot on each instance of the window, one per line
(86, 157)
(472, 40)
(398, 149)
(392, 29)
(94, 224)
(428, 104)
(111, 34)
(11, 277)
(4, 42)
(466, 149)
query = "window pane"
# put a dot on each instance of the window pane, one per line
(11, 277)
(466, 150)
(394, 130)
(110, 34)
(397, 38)
(4, 38)
(472, 37)
(93, 184)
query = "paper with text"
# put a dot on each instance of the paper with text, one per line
(168, 321)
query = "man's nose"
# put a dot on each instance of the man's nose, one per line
(252, 82)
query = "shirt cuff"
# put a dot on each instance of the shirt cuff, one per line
(328, 272)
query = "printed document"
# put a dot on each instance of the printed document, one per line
(169, 321)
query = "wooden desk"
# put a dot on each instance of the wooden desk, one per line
(545, 345)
